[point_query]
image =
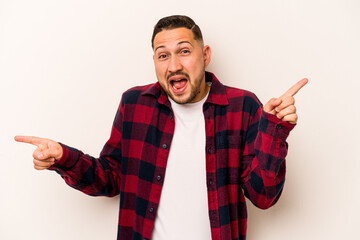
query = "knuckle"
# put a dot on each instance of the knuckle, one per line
(292, 108)
(270, 102)
(292, 100)
(292, 118)
(56, 152)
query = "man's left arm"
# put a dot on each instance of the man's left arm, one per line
(265, 174)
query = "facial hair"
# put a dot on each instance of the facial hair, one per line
(195, 89)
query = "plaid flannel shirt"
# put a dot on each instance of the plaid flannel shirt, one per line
(245, 156)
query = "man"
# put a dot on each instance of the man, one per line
(184, 151)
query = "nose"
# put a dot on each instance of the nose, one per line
(174, 64)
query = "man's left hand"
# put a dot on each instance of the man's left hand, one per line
(283, 107)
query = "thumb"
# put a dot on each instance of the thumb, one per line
(270, 106)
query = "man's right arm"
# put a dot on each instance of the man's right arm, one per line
(93, 176)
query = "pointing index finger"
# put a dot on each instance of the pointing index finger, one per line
(294, 89)
(28, 139)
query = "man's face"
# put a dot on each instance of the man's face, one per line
(180, 63)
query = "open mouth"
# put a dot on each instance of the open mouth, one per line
(178, 83)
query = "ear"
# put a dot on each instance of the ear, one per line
(207, 55)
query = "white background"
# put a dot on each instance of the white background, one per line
(64, 65)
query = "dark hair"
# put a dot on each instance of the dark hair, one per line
(176, 21)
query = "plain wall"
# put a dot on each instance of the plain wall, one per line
(64, 65)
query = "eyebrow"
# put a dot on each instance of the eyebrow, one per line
(179, 43)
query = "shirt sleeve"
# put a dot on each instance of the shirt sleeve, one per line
(94, 176)
(264, 159)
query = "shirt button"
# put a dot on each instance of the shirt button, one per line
(158, 177)
(171, 116)
(211, 182)
(164, 146)
(151, 210)
(278, 126)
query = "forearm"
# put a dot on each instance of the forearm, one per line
(92, 176)
(266, 174)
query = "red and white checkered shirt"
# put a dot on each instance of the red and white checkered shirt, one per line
(245, 156)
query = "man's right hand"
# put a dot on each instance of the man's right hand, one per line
(46, 153)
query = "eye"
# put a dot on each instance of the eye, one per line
(162, 56)
(185, 51)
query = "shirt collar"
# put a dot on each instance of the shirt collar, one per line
(217, 94)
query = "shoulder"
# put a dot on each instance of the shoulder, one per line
(244, 99)
(235, 97)
(233, 93)
(134, 94)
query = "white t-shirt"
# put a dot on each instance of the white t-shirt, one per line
(183, 208)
